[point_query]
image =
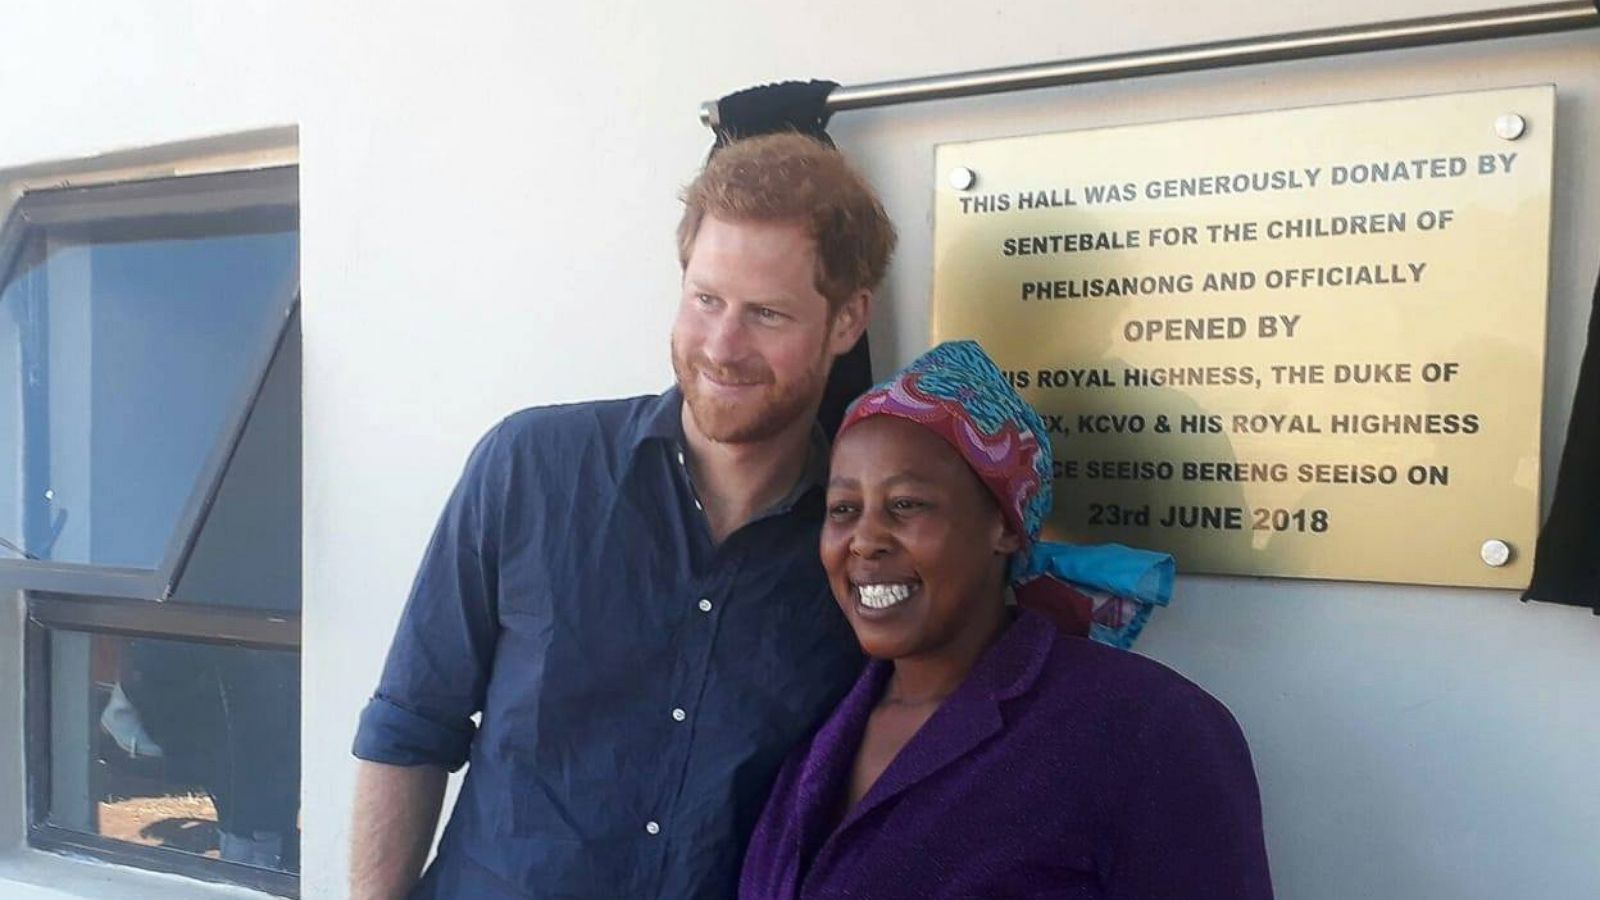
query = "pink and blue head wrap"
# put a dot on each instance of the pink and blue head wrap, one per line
(957, 392)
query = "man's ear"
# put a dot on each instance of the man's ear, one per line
(849, 323)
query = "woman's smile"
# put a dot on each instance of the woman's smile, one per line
(881, 597)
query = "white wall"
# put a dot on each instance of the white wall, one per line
(89, 77)
(489, 187)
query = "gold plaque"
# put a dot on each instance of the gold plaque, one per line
(1306, 343)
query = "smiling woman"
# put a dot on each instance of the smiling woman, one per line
(1084, 771)
(916, 552)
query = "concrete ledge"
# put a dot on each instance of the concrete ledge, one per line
(27, 874)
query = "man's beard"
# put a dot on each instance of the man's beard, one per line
(759, 418)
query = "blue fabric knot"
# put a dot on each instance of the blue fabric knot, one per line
(1143, 577)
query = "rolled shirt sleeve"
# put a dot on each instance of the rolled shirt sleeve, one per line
(390, 733)
(443, 651)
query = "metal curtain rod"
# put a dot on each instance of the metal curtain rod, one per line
(1450, 29)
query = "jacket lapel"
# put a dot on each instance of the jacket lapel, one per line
(825, 770)
(969, 717)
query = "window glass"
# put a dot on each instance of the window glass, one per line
(186, 746)
(248, 550)
(125, 351)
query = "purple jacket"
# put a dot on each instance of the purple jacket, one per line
(1060, 768)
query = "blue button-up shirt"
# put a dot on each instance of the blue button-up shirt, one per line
(637, 684)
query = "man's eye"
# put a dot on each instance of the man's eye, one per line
(767, 314)
(705, 299)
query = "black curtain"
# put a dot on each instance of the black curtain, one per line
(1567, 566)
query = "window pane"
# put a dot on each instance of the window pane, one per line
(125, 351)
(191, 747)
(248, 550)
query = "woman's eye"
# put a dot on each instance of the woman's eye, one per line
(906, 504)
(841, 510)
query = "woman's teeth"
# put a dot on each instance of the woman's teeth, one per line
(883, 596)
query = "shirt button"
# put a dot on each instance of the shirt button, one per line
(678, 715)
(705, 604)
(652, 828)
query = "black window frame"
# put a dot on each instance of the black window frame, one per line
(103, 600)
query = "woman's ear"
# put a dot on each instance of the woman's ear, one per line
(1007, 541)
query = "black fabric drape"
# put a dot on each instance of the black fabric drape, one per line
(798, 106)
(787, 106)
(1566, 568)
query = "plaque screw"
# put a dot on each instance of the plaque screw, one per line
(962, 178)
(1495, 553)
(1510, 126)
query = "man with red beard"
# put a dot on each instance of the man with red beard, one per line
(627, 593)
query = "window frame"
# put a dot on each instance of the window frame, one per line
(91, 599)
(268, 188)
(47, 613)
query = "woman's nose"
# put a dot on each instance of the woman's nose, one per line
(870, 539)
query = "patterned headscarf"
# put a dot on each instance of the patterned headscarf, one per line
(958, 393)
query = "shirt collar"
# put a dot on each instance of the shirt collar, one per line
(815, 474)
(663, 421)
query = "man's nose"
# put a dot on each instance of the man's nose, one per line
(726, 339)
